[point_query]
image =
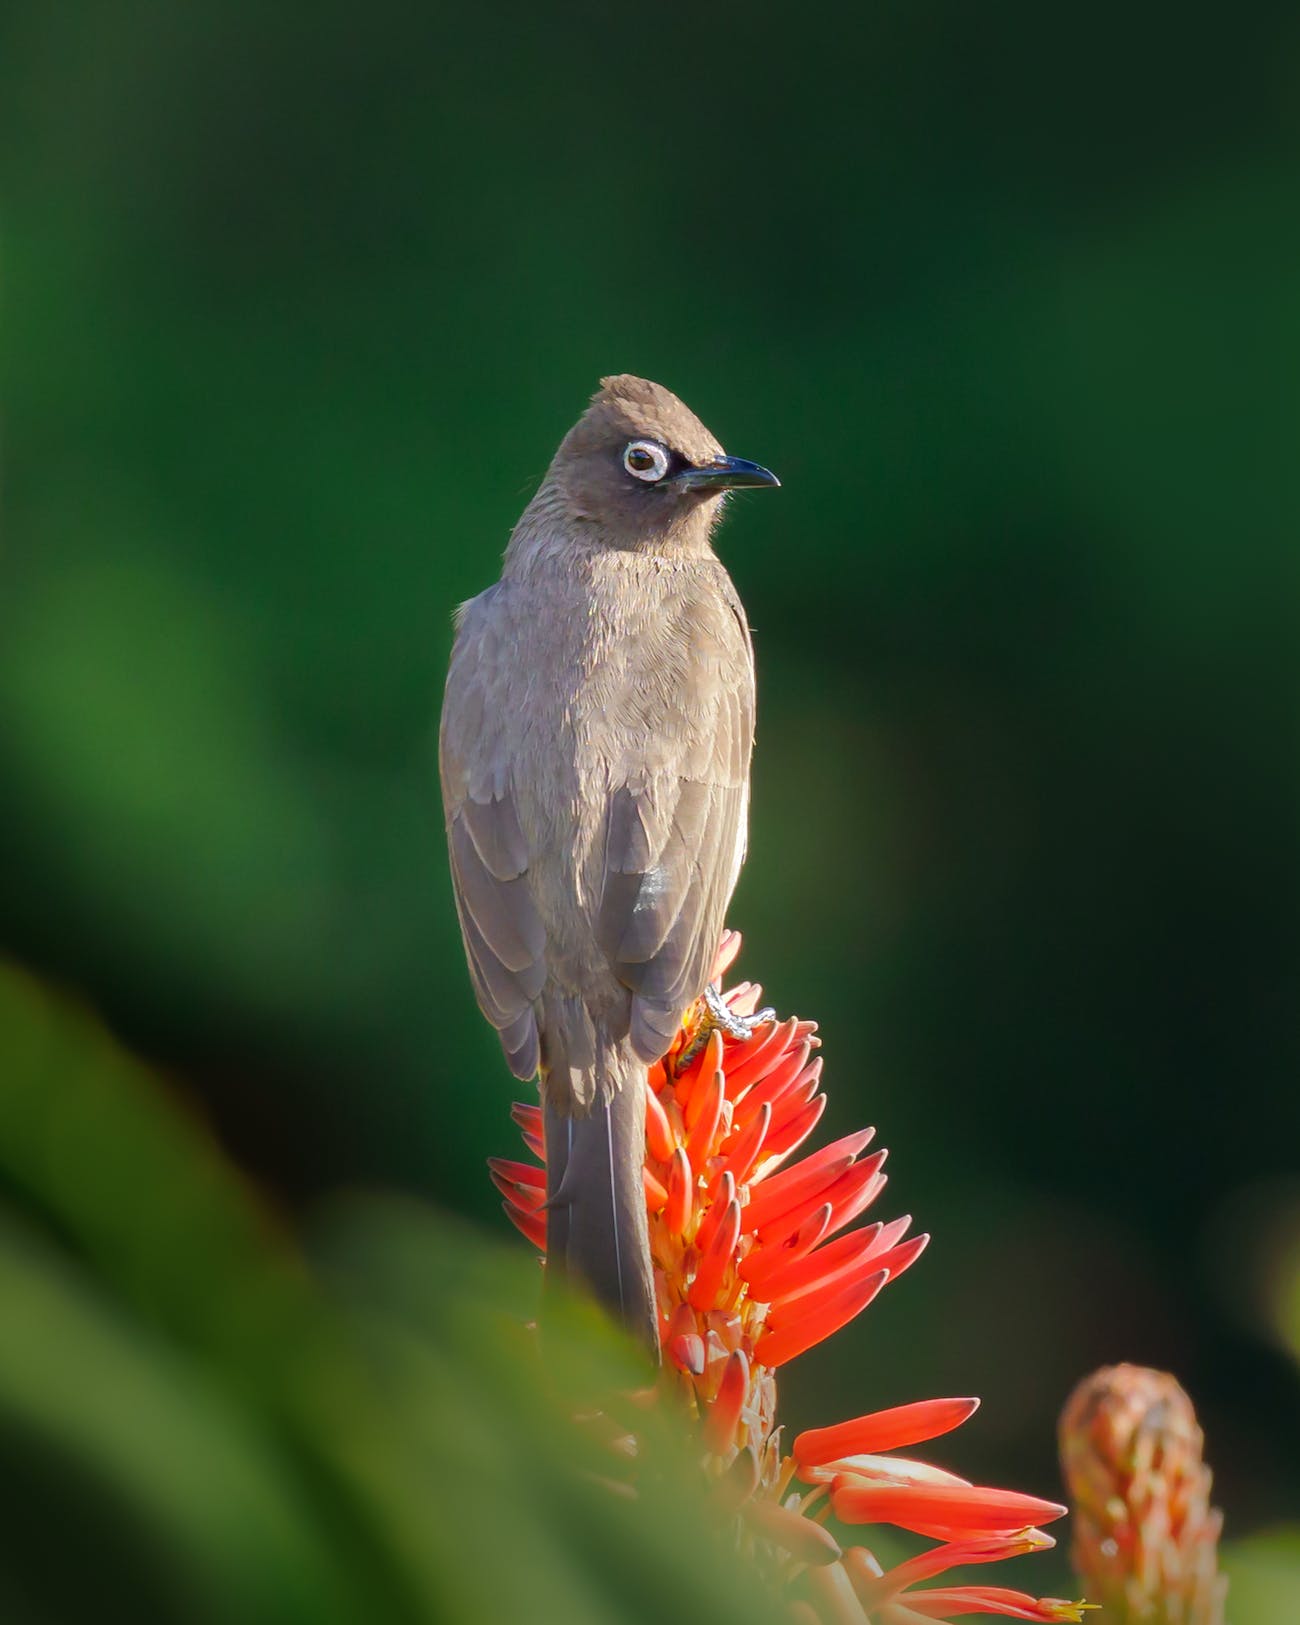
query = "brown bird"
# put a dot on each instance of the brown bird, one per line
(596, 737)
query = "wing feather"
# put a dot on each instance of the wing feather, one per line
(674, 831)
(505, 939)
(503, 910)
(493, 827)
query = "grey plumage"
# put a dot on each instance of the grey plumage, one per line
(595, 747)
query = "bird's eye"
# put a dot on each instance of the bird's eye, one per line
(646, 460)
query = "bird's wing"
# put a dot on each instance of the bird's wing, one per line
(505, 941)
(676, 815)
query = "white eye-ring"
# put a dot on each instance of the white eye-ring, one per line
(645, 460)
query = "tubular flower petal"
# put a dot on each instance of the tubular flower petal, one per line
(835, 1601)
(722, 1193)
(881, 1470)
(952, 1604)
(896, 1259)
(719, 1430)
(678, 1209)
(762, 1262)
(790, 1133)
(841, 1193)
(883, 1430)
(801, 1537)
(789, 1190)
(715, 1260)
(875, 1588)
(819, 1314)
(956, 1508)
(1145, 1535)
(843, 1275)
(687, 1352)
(658, 1131)
(848, 1252)
(750, 1273)
(743, 1149)
(530, 1225)
(757, 1065)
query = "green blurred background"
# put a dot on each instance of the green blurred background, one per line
(295, 309)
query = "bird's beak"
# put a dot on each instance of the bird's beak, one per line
(724, 474)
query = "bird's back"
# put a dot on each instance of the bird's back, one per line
(600, 708)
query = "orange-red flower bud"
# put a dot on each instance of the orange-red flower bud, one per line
(1145, 1535)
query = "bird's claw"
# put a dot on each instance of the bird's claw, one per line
(712, 1014)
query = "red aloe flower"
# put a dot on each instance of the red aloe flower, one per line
(754, 1264)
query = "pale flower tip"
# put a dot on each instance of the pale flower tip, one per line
(656, 1195)
(717, 1199)
(681, 1194)
(658, 1131)
(518, 1173)
(528, 1120)
(755, 1068)
(686, 1351)
(787, 1137)
(531, 1225)
(950, 1602)
(523, 1187)
(745, 998)
(740, 1480)
(898, 1259)
(702, 1118)
(742, 1149)
(723, 1415)
(516, 1200)
(865, 1574)
(704, 1065)
(727, 954)
(836, 1601)
(713, 1264)
(806, 1541)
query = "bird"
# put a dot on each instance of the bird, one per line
(594, 751)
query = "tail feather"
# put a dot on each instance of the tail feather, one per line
(596, 1216)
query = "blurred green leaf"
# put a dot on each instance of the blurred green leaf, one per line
(1264, 1577)
(387, 1441)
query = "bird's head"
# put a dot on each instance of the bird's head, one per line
(641, 466)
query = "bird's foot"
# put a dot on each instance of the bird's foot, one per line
(709, 1015)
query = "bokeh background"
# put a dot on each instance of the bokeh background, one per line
(295, 309)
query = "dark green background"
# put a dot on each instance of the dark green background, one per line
(297, 306)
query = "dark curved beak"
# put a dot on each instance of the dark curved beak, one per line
(724, 474)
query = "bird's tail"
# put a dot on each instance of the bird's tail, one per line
(596, 1215)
